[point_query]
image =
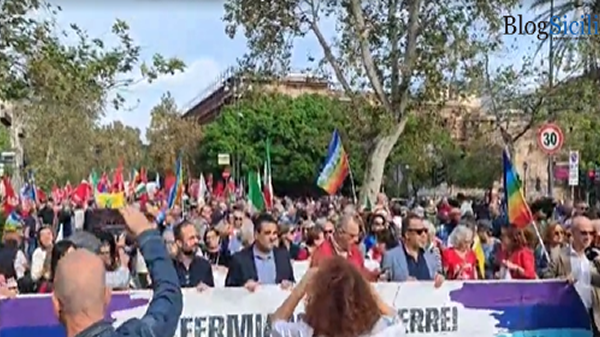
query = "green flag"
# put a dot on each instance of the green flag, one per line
(93, 181)
(255, 195)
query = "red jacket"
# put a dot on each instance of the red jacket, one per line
(326, 250)
(524, 258)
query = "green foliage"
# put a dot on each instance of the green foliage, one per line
(170, 136)
(57, 93)
(299, 129)
(402, 60)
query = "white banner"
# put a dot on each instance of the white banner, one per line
(459, 309)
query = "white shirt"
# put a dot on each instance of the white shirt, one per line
(581, 272)
(37, 263)
(20, 264)
(385, 327)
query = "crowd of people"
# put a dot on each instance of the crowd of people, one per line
(397, 241)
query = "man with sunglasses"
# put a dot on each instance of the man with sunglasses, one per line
(409, 261)
(573, 265)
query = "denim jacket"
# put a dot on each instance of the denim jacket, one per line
(166, 305)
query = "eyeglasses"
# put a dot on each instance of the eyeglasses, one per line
(587, 233)
(238, 218)
(418, 231)
(328, 231)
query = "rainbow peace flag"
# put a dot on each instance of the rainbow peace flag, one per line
(176, 192)
(519, 214)
(336, 167)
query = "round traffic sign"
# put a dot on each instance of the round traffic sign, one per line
(550, 138)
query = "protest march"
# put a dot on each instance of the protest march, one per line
(391, 187)
(442, 266)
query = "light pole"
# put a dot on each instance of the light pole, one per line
(550, 163)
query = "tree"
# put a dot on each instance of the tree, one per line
(57, 93)
(403, 53)
(169, 135)
(117, 144)
(299, 130)
(425, 144)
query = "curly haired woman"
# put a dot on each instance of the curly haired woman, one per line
(339, 303)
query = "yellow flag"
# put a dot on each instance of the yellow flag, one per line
(110, 200)
(478, 250)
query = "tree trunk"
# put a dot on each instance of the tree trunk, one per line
(374, 169)
(17, 146)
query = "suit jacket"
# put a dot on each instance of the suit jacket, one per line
(242, 267)
(560, 267)
(394, 261)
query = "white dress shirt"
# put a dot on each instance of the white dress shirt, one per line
(38, 259)
(581, 270)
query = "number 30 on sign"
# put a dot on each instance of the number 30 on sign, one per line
(550, 138)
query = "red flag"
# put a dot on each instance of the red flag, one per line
(220, 189)
(10, 197)
(81, 194)
(118, 184)
(41, 195)
(170, 180)
(67, 190)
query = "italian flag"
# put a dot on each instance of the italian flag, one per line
(267, 187)
(255, 196)
(140, 189)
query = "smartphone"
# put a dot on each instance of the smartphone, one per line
(107, 219)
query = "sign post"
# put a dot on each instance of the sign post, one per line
(573, 171)
(550, 139)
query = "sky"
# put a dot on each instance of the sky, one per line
(193, 32)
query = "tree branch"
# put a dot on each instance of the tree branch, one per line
(367, 57)
(328, 52)
(394, 40)
(410, 54)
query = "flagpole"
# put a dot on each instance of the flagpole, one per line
(352, 183)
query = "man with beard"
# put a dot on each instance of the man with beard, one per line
(193, 270)
(261, 262)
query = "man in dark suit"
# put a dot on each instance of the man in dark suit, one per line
(262, 262)
(193, 270)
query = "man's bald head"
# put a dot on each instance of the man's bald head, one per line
(79, 284)
(583, 232)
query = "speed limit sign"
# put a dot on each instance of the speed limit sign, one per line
(550, 138)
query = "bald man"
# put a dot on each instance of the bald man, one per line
(573, 266)
(81, 297)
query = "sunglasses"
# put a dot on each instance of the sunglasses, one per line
(329, 231)
(586, 233)
(418, 231)
(238, 218)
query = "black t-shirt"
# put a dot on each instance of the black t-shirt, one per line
(29, 221)
(47, 215)
(64, 218)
